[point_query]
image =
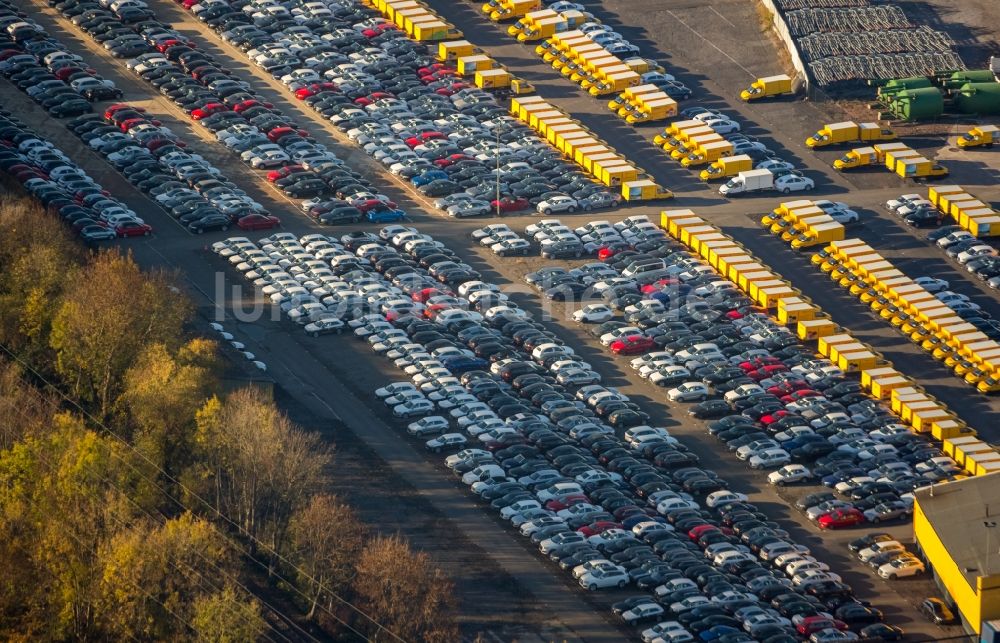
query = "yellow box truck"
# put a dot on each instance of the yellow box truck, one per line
(726, 166)
(848, 131)
(980, 136)
(858, 157)
(768, 87)
(708, 152)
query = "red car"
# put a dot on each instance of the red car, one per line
(369, 204)
(632, 345)
(510, 204)
(129, 123)
(802, 394)
(606, 253)
(565, 502)
(426, 293)
(766, 372)
(598, 527)
(430, 69)
(281, 132)
(117, 107)
(840, 518)
(759, 362)
(282, 172)
(812, 624)
(313, 89)
(258, 222)
(451, 88)
(659, 285)
(208, 110)
(788, 386)
(770, 418)
(422, 138)
(364, 101)
(452, 159)
(699, 531)
(247, 104)
(133, 229)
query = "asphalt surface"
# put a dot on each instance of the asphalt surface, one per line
(503, 588)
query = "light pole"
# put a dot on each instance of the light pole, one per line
(497, 154)
(989, 524)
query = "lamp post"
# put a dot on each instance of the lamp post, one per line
(989, 524)
(497, 154)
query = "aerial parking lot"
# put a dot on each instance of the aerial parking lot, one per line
(594, 332)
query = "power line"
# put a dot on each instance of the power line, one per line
(214, 510)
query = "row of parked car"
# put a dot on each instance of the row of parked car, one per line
(537, 439)
(264, 138)
(407, 110)
(56, 79)
(185, 184)
(62, 186)
(979, 258)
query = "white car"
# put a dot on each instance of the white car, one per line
(413, 408)
(667, 631)
(689, 392)
(789, 474)
(593, 314)
(557, 204)
(905, 199)
(428, 425)
(446, 441)
(793, 183)
(931, 284)
(394, 389)
(489, 231)
(324, 326)
(644, 611)
(605, 578)
(901, 568)
(724, 497)
(768, 458)
(980, 250)
(593, 565)
(878, 549)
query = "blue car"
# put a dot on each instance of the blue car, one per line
(385, 215)
(459, 365)
(428, 176)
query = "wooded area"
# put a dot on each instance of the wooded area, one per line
(137, 502)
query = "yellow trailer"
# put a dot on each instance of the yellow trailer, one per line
(917, 168)
(469, 65)
(454, 49)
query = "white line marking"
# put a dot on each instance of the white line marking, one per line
(711, 44)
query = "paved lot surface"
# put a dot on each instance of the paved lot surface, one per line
(504, 588)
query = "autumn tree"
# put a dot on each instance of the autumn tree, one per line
(162, 394)
(152, 576)
(325, 540)
(59, 496)
(404, 593)
(113, 312)
(257, 465)
(25, 409)
(38, 261)
(227, 616)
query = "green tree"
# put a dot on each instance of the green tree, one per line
(107, 319)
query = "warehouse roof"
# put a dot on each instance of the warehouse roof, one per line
(966, 517)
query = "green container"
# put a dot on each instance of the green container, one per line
(918, 104)
(978, 98)
(897, 85)
(973, 76)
